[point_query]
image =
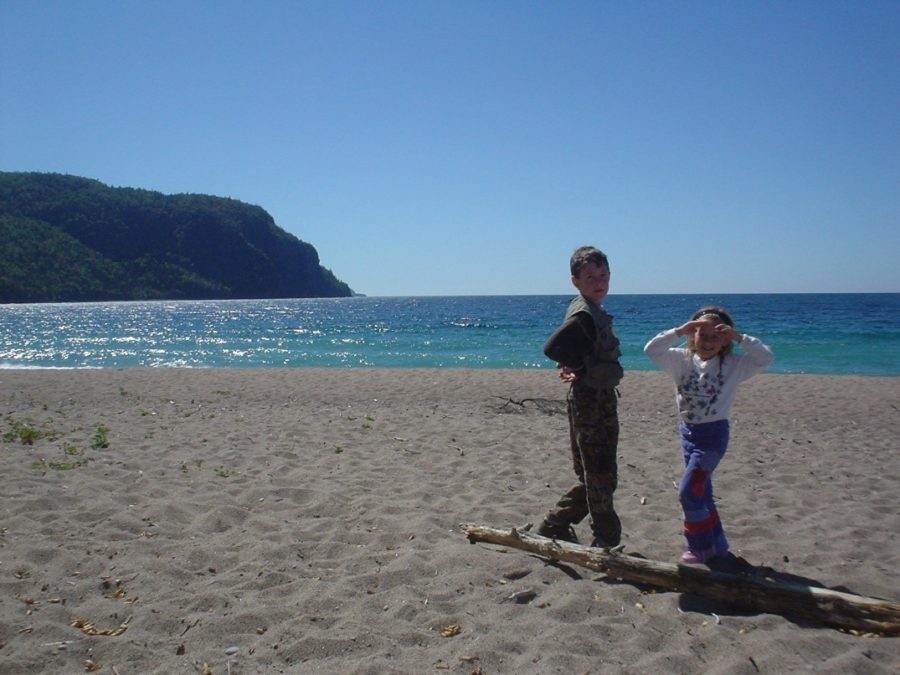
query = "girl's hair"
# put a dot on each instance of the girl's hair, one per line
(723, 317)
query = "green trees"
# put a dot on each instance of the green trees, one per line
(66, 238)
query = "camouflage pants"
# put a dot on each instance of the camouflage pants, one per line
(594, 439)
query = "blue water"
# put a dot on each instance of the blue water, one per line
(832, 334)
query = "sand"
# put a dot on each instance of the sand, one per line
(307, 521)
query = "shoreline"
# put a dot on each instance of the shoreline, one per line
(366, 368)
(306, 520)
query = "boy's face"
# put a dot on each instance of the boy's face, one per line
(592, 282)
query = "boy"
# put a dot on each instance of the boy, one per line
(587, 350)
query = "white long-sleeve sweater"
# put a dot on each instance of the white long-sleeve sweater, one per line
(705, 390)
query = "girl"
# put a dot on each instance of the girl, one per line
(706, 375)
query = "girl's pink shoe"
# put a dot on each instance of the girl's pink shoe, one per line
(691, 557)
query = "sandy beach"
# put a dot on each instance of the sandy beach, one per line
(307, 521)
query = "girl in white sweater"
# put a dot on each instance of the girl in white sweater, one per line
(706, 375)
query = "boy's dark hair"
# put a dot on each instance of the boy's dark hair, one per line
(722, 315)
(585, 255)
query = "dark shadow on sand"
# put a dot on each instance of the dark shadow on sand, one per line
(741, 567)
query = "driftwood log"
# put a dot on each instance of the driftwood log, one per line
(850, 612)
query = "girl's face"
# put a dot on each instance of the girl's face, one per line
(708, 340)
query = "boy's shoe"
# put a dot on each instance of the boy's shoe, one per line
(691, 557)
(558, 532)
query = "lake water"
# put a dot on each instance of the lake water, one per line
(832, 334)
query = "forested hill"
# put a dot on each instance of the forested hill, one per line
(65, 239)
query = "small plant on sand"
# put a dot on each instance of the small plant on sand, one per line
(28, 434)
(222, 472)
(185, 467)
(101, 439)
(25, 432)
(72, 458)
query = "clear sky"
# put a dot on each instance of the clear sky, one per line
(430, 147)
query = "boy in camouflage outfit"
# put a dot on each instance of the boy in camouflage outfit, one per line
(587, 351)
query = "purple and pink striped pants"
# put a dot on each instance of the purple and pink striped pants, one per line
(703, 446)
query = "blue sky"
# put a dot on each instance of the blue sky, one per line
(430, 147)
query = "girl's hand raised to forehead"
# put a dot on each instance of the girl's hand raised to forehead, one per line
(722, 328)
(689, 327)
(729, 332)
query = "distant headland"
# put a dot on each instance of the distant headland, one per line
(71, 239)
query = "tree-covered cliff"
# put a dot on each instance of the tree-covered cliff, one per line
(65, 238)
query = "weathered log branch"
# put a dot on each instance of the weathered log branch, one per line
(789, 598)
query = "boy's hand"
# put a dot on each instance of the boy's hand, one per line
(566, 374)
